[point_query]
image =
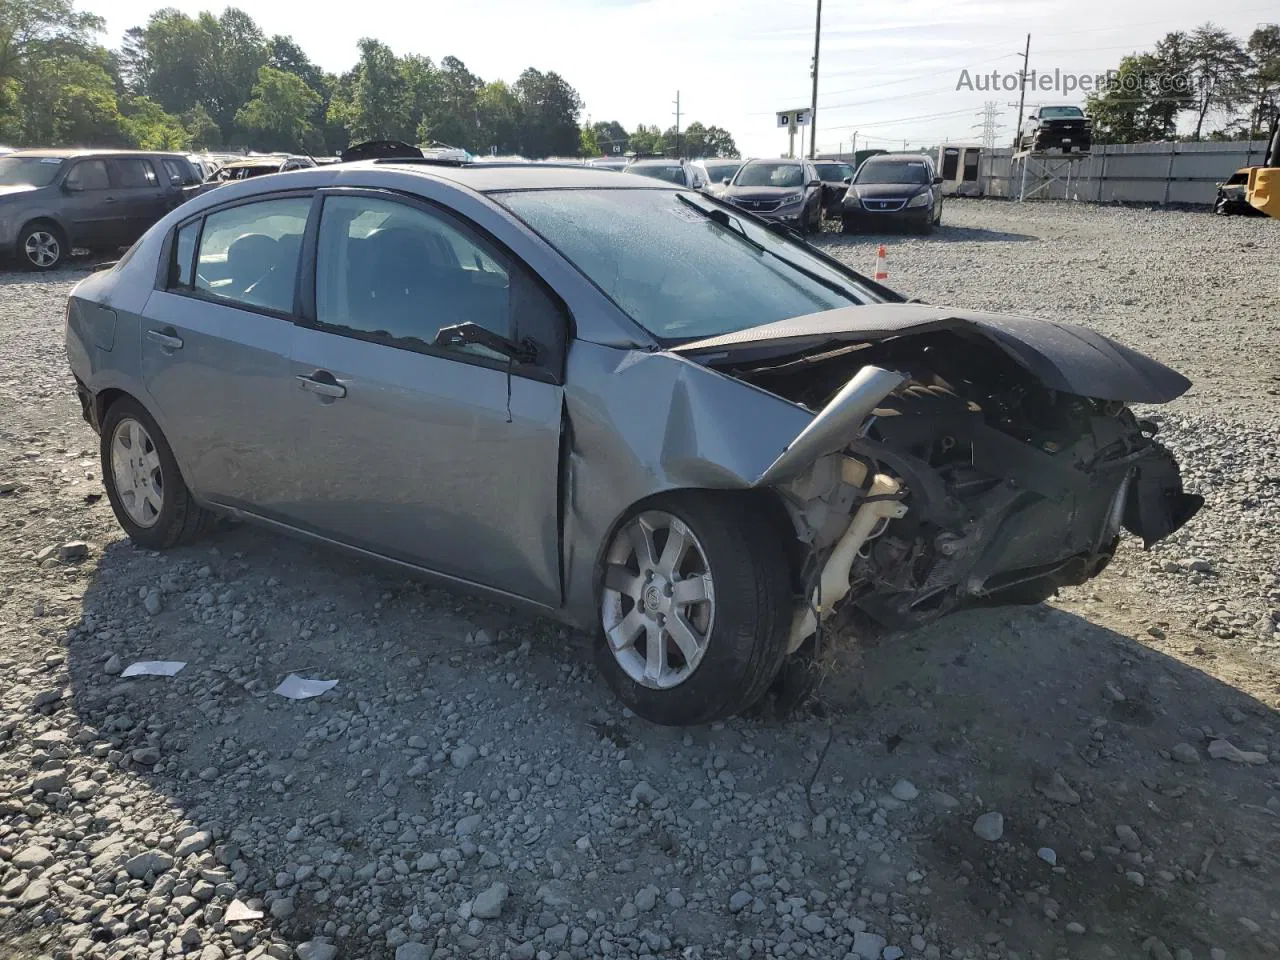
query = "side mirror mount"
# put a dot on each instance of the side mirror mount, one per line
(848, 179)
(69, 187)
(726, 180)
(815, 183)
(937, 181)
(464, 333)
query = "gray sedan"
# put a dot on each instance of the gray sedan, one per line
(614, 401)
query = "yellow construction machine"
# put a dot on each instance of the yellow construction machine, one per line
(1254, 190)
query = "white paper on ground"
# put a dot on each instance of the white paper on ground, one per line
(153, 668)
(237, 911)
(300, 688)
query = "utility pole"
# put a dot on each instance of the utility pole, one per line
(1022, 88)
(813, 107)
(677, 102)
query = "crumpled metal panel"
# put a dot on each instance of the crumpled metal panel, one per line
(1062, 356)
(640, 423)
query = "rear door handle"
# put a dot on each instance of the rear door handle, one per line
(167, 340)
(322, 388)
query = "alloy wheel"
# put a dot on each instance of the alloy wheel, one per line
(135, 466)
(658, 602)
(42, 248)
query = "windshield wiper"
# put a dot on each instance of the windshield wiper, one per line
(722, 217)
(735, 227)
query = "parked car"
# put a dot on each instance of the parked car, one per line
(836, 176)
(898, 189)
(1058, 128)
(715, 171)
(679, 172)
(624, 404)
(260, 166)
(52, 201)
(788, 191)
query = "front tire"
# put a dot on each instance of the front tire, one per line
(147, 493)
(695, 607)
(42, 246)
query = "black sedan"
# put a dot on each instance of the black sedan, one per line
(893, 190)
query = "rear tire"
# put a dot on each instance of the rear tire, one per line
(147, 493)
(744, 626)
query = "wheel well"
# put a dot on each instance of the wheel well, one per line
(772, 512)
(103, 400)
(44, 221)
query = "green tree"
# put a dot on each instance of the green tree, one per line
(587, 144)
(647, 140)
(238, 50)
(149, 127)
(549, 109)
(1219, 66)
(611, 136)
(374, 103)
(1264, 78)
(1149, 93)
(204, 133)
(498, 109)
(454, 119)
(719, 143)
(279, 114)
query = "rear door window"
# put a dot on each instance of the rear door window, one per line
(133, 172)
(249, 254)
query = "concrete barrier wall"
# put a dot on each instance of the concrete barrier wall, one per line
(1155, 173)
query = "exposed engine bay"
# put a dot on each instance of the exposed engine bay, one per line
(970, 482)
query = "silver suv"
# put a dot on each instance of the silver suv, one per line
(54, 200)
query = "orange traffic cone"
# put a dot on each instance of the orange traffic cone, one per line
(882, 266)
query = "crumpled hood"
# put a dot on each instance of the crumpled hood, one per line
(1063, 356)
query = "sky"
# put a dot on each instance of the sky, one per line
(889, 69)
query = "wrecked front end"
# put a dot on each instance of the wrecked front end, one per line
(956, 461)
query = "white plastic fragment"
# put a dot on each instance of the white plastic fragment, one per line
(295, 687)
(153, 668)
(237, 911)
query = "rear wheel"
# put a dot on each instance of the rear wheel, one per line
(147, 493)
(695, 608)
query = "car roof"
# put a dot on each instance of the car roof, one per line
(899, 157)
(66, 153)
(495, 177)
(793, 160)
(657, 162)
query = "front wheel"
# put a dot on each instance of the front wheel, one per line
(695, 607)
(147, 493)
(41, 246)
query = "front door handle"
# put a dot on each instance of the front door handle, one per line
(322, 388)
(167, 339)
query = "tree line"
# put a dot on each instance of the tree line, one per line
(218, 82)
(1230, 87)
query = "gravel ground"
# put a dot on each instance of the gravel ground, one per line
(1096, 777)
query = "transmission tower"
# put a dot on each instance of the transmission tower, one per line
(990, 114)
